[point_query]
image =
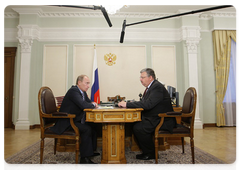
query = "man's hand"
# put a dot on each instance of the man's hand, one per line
(95, 104)
(122, 104)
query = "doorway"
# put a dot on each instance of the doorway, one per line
(9, 61)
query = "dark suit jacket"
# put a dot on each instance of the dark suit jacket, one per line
(72, 103)
(155, 101)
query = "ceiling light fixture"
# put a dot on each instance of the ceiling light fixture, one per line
(112, 6)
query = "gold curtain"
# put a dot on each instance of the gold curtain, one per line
(222, 52)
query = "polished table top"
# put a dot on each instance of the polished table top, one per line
(113, 114)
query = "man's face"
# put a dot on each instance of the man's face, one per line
(85, 84)
(145, 80)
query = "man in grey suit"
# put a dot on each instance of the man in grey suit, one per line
(155, 100)
(74, 102)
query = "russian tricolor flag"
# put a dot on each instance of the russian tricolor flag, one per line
(95, 96)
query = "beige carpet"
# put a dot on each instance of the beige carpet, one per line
(31, 155)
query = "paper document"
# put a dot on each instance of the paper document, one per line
(105, 107)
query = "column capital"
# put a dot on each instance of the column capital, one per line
(191, 35)
(26, 45)
(26, 35)
(192, 46)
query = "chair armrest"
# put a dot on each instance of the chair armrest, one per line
(186, 115)
(163, 115)
(58, 115)
(174, 113)
(170, 114)
(63, 115)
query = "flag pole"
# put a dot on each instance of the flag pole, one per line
(95, 96)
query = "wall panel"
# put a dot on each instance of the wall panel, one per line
(164, 64)
(55, 68)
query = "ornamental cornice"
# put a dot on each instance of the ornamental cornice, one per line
(207, 16)
(99, 14)
(11, 15)
(37, 11)
(96, 14)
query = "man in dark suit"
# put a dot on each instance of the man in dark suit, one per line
(155, 100)
(74, 102)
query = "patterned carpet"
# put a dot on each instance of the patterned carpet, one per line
(31, 155)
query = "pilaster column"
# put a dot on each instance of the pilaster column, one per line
(26, 40)
(191, 35)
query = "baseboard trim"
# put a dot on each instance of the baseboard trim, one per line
(34, 126)
(209, 125)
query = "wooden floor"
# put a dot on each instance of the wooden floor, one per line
(220, 142)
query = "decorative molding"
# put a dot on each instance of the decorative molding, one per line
(71, 14)
(207, 15)
(20, 11)
(11, 15)
(140, 15)
(41, 13)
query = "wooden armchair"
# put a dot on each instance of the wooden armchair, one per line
(186, 128)
(116, 98)
(48, 115)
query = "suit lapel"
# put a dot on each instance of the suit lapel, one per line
(81, 94)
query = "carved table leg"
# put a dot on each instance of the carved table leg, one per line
(113, 143)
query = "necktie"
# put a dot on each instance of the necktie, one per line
(83, 96)
(84, 114)
(145, 92)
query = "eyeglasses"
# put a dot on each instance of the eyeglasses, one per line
(142, 77)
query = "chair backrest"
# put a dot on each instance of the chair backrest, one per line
(189, 105)
(47, 105)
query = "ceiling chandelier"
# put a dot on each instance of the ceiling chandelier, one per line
(112, 6)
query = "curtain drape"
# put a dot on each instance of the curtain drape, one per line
(229, 102)
(222, 52)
